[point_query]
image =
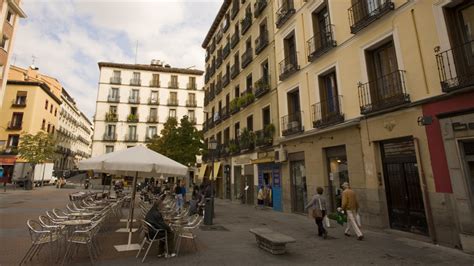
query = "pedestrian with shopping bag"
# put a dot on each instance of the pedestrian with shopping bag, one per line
(351, 206)
(318, 204)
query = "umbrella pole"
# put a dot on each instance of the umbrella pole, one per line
(132, 207)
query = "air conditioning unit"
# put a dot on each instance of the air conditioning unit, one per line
(280, 155)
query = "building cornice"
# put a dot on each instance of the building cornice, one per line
(13, 5)
(216, 22)
(152, 68)
(43, 86)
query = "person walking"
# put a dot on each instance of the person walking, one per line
(318, 203)
(260, 197)
(351, 207)
(179, 197)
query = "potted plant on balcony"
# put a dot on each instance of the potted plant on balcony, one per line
(268, 130)
(233, 147)
(132, 118)
(111, 117)
(247, 139)
(234, 105)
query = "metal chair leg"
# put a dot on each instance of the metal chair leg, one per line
(27, 254)
(141, 247)
(148, 249)
(89, 248)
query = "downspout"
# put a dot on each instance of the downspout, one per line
(424, 190)
(427, 90)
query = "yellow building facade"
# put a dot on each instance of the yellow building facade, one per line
(29, 106)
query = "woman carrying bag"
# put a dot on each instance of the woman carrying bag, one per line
(318, 203)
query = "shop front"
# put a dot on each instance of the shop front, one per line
(298, 182)
(7, 163)
(336, 160)
(269, 181)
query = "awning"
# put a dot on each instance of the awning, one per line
(7, 160)
(216, 170)
(263, 160)
(202, 171)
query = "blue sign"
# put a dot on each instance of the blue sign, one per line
(1, 171)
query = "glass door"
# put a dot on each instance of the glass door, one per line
(298, 182)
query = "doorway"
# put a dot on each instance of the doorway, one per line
(402, 186)
(298, 185)
(337, 174)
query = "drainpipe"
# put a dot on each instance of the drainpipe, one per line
(424, 189)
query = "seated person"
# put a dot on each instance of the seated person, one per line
(155, 218)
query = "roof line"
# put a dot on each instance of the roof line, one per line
(152, 68)
(43, 86)
(216, 22)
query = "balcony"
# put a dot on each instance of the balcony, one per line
(456, 67)
(246, 98)
(264, 137)
(217, 118)
(327, 112)
(109, 137)
(155, 83)
(212, 94)
(246, 22)
(219, 35)
(212, 47)
(111, 117)
(226, 24)
(262, 86)
(174, 84)
(210, 123)
(113, 98)
(207, 76)
(153, 101)
(259, 6)
(206, 100)
(208, 55)
(19, 103)
(235, 10)
(219, 59)
(234, 40)
(152, 118)
(9, 150)
(172, 102)
(225, 79)
(116, 80)
(134, 99)
(226, 50)
(218, 87)
(247, 57)
(234, 70)
(193, 120)
(385, 92)
(234, 106)
(364, 12)
(261, 42)
(130, 138)
(234, 147)
(132, 118)
(191, 103)
(292, 124)
(321, 43)
(135, 82)
(225, 113)
(191, 86)
(284, 13)
(14, 125)
(288, 66)
(212, 69)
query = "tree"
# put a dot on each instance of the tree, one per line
(36, 149)
(181, 143)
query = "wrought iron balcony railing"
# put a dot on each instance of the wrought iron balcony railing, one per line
(155, 83)
(258, 7)
(263, 138)
(110, 136)
(113, 98)
(247, 57)
(111, 117)
(135, 82)
(327, 112)
(133, 118)
(134, 99)
(153, 101)
(115, 80)
(246, 22)
(262, 86)
(288, 66)
(234, 40)
(234, 70)
(382, 93)
(153, 118)
(364, 12)
(226, 50)
(19, 103)
(191, 103)
(225, 79)
(131, 138)
(173, 85)
(261, 42)
(219, 59)
(14, 125)
(321, 43)
(456, 67)
(292, 124)
(284, 13)
(172, 102)
(225, 113)
(191, 86)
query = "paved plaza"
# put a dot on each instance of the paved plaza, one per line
(231, 243)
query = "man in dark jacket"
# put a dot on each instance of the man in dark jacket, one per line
(155, 218)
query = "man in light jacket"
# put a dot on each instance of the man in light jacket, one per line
(318, 202)
(351, 206)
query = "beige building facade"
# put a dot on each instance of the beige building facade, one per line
(375, 93)
(10, 14)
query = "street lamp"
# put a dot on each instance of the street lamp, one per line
(212, 146)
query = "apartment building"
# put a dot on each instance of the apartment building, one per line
(135, 100)
(379, 94)
(29, 106)
(10, 13)
(74, 135)
(241, 100)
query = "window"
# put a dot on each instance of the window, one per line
(55, 111)
(174, 96)
(113, 109)
(136, 75)
(172, 113)
(192, 81)
(110, 132)
(155, 80)
(236, 92)
(10, 17)
(20, 98)
(132, 131)
(266, 118)
(249, 83)
(250, 122)
(328, 94)
(52, 130)
(17, 120)
(265, 71)
(51, 108)
(5, 42)
(322, 31)
(237, 130)
(114, 93)
(151, 132)
(192, 97)
(13, 141)
(117, 74)
(174, 81)
(226, 135)
(134, 96)
(46, 105)
(43, 124)
(192, 115)
(49, 127)
(109, 149)
(133, 110)
(154, 97)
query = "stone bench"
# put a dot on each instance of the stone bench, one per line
(271, 241)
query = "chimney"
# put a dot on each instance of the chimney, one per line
(32, 72)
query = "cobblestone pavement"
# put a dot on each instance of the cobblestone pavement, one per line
(232, 244)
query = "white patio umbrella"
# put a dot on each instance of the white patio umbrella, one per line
(138, 161)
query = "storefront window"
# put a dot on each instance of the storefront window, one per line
(337, 174)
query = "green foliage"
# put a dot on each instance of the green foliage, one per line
(38, 148)
(234, 104)
(269, 129)
(233, 147)
(179, 142)
(132, 118)
(247, 139)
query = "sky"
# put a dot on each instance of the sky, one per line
(67, 38)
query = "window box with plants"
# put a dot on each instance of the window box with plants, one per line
(264, 137)
(132, 118)
(234, 106)
(246, 99)
(262, 86)
(247, 140)
(233, 147)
